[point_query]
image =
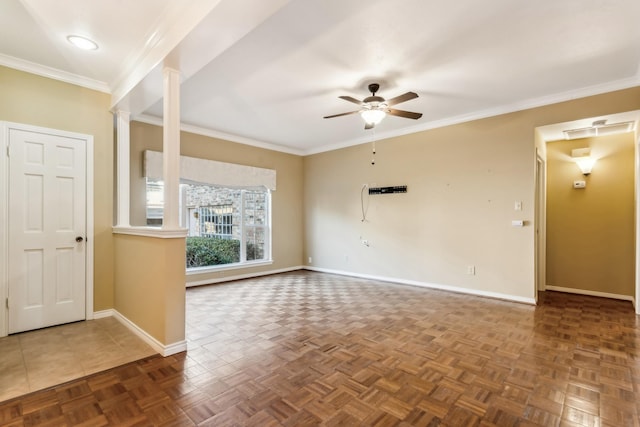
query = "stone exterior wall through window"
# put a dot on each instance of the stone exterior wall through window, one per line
(198, 195)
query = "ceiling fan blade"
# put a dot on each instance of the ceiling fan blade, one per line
(341, 114)
(402, 98)
(405, 114)
(350, 99)
(369, 126)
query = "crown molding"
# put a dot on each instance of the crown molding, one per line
(490, 112)
(157, 121)
(53, 73)
(435, 124)
(56, 74)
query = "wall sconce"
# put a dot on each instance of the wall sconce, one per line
(582, 157)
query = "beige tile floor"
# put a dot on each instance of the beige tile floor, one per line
(39, 359)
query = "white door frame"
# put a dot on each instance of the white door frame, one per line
(636, 302)
(540, 230)
(5, 127)
(636, 297)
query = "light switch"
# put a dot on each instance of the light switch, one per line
(518, 205)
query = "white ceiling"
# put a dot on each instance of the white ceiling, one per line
(265, 72)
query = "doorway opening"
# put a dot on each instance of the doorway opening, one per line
(585, 240)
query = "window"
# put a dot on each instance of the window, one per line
(227, 226)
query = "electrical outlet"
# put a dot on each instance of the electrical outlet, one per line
(310, 260)
(471, 270)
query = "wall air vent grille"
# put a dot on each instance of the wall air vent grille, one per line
(615, 128)
(599, 128)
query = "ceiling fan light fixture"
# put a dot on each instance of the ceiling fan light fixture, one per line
(373, 109)
(82, 42)
(372, 116)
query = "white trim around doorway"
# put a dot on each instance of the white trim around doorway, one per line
(637, 196)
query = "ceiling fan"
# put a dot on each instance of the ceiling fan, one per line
(375, 108)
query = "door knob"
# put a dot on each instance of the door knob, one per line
(79, 239)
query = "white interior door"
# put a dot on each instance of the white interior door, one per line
(47, 219)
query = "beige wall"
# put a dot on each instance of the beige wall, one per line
(30, 99)
(153, 298)
(591, 231)
(286, 201)
(462, 180)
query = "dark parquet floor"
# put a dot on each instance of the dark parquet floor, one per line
(306, 348)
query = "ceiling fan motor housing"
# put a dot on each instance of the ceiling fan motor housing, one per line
(373, 99)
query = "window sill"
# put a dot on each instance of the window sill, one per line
(225, 267)
(157, 232)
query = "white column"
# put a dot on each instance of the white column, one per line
(171, 149)
(123, 170)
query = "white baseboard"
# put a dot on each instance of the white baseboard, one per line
(591, 293)
(242, 276)
(103, 313)
(458, 290)
(176, 347)
(164, 350)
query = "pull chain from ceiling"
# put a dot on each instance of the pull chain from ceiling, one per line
(373, 155)
(373, 143)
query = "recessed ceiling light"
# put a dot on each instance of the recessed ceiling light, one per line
(82, 42)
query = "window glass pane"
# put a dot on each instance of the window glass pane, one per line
(155, 202)
(255, 243)
(255, 208)
(209, 251)
(260, 208)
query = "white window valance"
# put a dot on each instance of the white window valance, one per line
(212, 172)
